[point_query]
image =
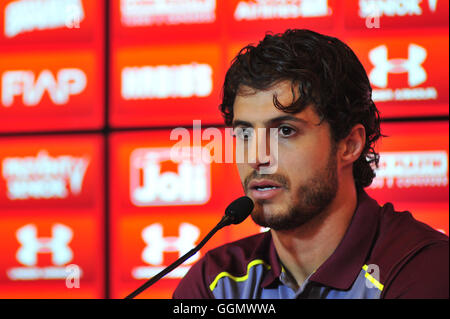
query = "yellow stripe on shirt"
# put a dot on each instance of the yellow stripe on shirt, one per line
(237, 279)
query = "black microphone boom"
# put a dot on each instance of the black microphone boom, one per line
(235, 213)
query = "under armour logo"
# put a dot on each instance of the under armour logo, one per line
(32, 245)
(157, 244)
(412, 65)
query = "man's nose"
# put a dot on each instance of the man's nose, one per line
(260, 153)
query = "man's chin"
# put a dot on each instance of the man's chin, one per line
(280, 217)
(270, 215)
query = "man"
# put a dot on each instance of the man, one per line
(327, 238)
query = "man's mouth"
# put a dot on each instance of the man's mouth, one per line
(264, 189)
(263, 184)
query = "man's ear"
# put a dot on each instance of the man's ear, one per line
(351, 147)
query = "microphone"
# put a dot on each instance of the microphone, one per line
(235, 213)
(238, 210)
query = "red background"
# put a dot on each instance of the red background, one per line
(98, 123)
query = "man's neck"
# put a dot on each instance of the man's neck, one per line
(305, 248)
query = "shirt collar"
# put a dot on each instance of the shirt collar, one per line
(274, 262)
(343, 266)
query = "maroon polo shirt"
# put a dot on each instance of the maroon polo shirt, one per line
(383, 254)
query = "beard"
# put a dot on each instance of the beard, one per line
(311, 198)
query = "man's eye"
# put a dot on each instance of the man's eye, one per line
(286, 131)
(243, 133)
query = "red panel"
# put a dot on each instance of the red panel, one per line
(50, 21)
(51, 65)
(152, 84)
(38, 254)
(57, 173)
(165, 21)
(409, 75)
(163, 182)
(363, 14)
(413, 163)
(52, 217)
(50, 91)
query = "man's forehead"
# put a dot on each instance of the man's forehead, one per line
(257, 107)
(285, 88)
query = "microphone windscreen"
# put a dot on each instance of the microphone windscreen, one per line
(239, 209)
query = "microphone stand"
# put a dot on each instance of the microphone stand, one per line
(226, 220)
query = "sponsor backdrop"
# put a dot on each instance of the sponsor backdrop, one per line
(94, 95)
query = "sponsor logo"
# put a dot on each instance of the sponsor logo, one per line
(164, 81)
(157, 245)
(281, 9)
(43, 176)
(166, 12)
(394, 8)
(412, 66)
(189, 184)
(412, 169)
(32, 245)
(67, 82)
(30, 15)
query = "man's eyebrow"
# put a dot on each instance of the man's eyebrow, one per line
(270, 122)
(284, 118)
(241, 123)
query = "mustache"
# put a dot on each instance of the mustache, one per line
(273, 177)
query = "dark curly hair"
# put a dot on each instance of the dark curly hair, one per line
(327, 74)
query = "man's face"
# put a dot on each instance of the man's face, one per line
(305, 180)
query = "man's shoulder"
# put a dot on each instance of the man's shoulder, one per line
(400, 240)
(402, 228)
